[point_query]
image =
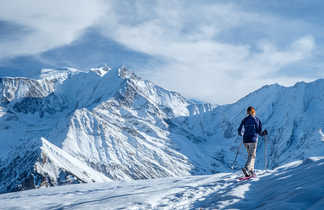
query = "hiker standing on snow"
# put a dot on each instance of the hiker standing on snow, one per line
(252, 128)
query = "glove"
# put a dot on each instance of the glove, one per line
(265, 132)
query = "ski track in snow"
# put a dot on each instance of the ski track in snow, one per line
(298, 185)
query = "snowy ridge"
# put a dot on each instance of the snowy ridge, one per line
(54, 156)
(297, 185)
(44, 164)
(15, 88)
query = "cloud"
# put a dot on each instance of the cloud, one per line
(198, 63)
(222, 73)
(50, 23)
(216, 52)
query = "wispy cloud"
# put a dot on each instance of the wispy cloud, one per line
(198, 63)
(48, 24)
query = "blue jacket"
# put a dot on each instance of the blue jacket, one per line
(252, 127)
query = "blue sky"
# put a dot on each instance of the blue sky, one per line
(216, 51)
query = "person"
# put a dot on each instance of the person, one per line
(252, 128)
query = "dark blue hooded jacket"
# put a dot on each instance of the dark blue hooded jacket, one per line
(252, 127)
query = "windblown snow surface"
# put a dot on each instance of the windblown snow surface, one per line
(297, 185)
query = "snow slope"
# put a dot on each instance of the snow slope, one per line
(297, 185)
(44, 164)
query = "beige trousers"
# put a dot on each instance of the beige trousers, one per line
(251, 149)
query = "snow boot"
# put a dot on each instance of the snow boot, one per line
(252, 173)
(245, 172)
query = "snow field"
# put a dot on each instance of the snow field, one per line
(297, 185)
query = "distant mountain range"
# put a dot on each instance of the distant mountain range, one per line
(71, 126)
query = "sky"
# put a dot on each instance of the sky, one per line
(214, 51)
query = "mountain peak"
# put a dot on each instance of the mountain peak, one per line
(101, 71)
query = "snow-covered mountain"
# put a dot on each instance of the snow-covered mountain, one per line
(108, 124)
(292, 115)
(108, 119)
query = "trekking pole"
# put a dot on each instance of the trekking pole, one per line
(238, 150)
(265, 152)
